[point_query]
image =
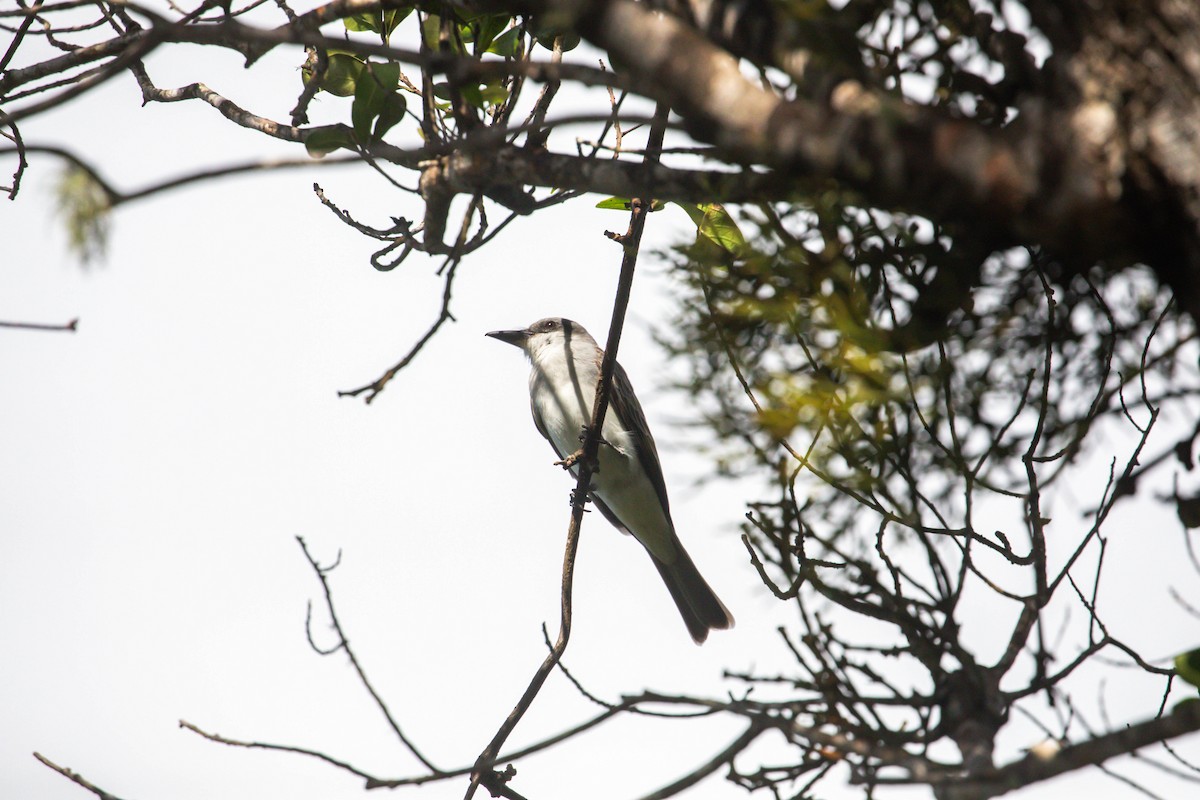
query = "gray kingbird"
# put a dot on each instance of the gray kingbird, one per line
(628, 485)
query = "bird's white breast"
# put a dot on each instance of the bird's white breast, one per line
(562, 401)
(564, 406)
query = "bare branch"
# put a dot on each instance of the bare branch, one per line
(283, 748)
(344, 645)
(70, 327)
(76, 778)
(712, 765)
(1034, 769)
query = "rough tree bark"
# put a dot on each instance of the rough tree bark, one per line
(1101, 164)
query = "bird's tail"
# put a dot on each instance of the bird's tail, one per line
(698, 604)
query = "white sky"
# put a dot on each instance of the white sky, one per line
(156, 466)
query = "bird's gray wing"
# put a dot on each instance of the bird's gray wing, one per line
(537, 421)
(629, 411)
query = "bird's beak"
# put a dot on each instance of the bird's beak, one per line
(516, 338)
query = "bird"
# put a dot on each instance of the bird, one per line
(627, 486)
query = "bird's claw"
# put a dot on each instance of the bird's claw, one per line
(583, 434)
(570, 460)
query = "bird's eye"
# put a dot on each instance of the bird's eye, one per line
(548, 324)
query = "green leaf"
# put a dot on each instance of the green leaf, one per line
(473, 94)
(624, 203)
(717, 234)
(615, 203)
(1187, 666)
(383, 22)
(546, 36)
(432, 30)
(393, 17)
(488, 28)
(367, 21)
(323, 141)
(375, 85)
(494, 93)
(362, 115)
(718, 239)
(387, 75)
(507, 44)
(392, 113)
(341, 73)
(470, 92)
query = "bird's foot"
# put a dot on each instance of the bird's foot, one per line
(584, 503)
(570, 460)
(583, 434)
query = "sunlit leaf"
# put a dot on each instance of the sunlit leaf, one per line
(715, 228)
(367, 21)
(615, 203)
(625, 204)
(507, 44)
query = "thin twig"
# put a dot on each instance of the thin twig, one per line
(71, 326)
(281, 748)
(713, 764)
(76, 777)
(451, 268)
(344, 644)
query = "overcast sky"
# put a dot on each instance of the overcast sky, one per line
(157, 465)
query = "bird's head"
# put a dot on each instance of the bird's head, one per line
(551, 332)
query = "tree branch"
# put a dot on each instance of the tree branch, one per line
(483, 773)
(76, 777)
(713, 764)
(1043, 178)
(344, 645)
(70, 327)
(1034, 769)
